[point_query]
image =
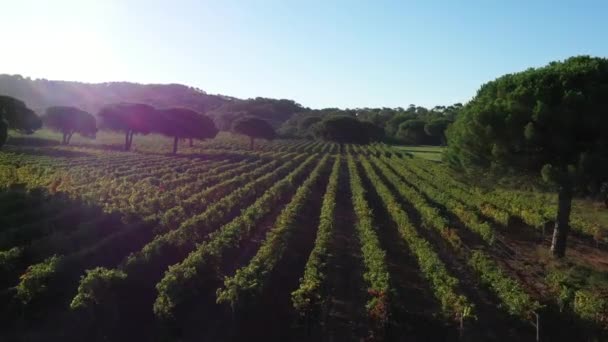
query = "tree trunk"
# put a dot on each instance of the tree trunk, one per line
(562, 224)
(130, 140)
(127, 141)
(175, 143)
(251, 143)
(70, 137)
(191, 143)
(64, 140)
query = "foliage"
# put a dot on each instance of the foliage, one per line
(18, 116)
(516, 301)
(254, 128)
(392, 126)
(385, 121)
(183, 123)
(249, 280)
(124, 222)
(374, 257)
(347, 129)
(130, 118)
(310, 295)
(465, 213)
(174, 289)
(135, 117)
(592, 306)
(193, 229)
(306, 123)
(3, 131)
(512, 122)
(444, 285)
(70, 120)
(581, 291)
(547, 120)
(436, 130)
(94, 286)
(34, 281)
(273, 111)
(412, 132)
(8, 258)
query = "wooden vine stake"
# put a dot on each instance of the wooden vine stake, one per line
(461, 329)
(537, 326)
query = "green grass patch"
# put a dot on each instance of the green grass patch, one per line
(428, 152)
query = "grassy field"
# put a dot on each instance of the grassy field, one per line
(432, 153)
(295, 240)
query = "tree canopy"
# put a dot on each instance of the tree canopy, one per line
(347, 129)
(550, 120)
(302, 124)
(254, 128)
(181, 123)
(3, 132)
(18, 116)
(70, 120)
(435, 129)
(130, 118)
(273, 111)
(412, 132)
(392, 125)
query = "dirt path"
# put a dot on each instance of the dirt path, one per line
(345, 316)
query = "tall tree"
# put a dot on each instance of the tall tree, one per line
(130, 118)
(551, 120)
(392, 125)
(308, 121)
(412, 132)
(181, 123)
(70, 120)
(18, 116)
(347, 129)
(3, 131)
(254, 128)
(436, 129)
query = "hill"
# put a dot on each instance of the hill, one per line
(38, 94)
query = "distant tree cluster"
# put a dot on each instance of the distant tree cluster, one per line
(414, 126)
(70, 120)
(129, 118)
(223, 110)
(273, 111)
(347, 129)
(137, 118)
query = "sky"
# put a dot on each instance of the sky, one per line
(345, 54)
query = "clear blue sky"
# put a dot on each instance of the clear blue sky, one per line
(319, 53)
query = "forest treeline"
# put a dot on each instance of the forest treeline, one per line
(412, 125)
